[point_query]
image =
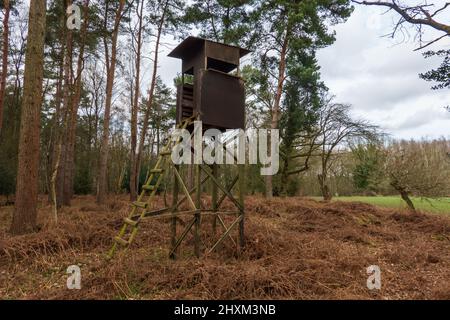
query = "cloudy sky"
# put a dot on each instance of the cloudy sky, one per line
(377, 75)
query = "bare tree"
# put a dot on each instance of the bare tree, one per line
(73, 111)
(61, 182)
(111, 60)
(306, 146)
(419, 15)
(163, 9)
(57, 179)
(419, 169)
(137, 48)
(94, 79)
(336, 127)
(25, 213)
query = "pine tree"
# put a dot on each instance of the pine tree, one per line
(25, 213)
(285, 28)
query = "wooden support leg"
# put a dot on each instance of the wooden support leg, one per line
(242, 202)
(197, 215)
(174, 219)
(214, 197)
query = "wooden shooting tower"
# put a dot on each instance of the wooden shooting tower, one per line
(210, 91)
(213, 95)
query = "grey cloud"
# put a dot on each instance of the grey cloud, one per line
(423, 117)
(383, 92)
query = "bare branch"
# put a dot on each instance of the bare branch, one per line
(419, 15)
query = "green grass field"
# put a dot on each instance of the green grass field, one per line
(429, 205)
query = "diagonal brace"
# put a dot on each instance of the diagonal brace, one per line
(224, 190)
(230, 187)
(183, 235)
(225, 228)
(185, 189)
(226, 234)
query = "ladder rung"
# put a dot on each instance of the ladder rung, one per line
(148, 187)
(165, 153)
(142, 205)
(156, 171)
(121, 241)
(130, 222)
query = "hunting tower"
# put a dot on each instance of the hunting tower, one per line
(211, 89)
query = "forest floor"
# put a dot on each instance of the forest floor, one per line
(296, 248)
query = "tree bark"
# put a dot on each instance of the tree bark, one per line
(102, 183)
(25, 213)
(5, 47)
(135, 111)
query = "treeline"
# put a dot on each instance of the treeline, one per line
(83, 109)
(394, 167)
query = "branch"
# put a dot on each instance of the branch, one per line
(431, 42)
(427, 20)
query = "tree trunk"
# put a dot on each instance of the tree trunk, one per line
(404, 194)
(61, 148)
(152, 89)
(55, 132)
(25, 213)
(72, 116)
(5, 47)
(102, 183)
(324, 189)
(285, 176)
(276, 105)
(135, 111)
(408, 200)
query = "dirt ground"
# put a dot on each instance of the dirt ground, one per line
(295, 249)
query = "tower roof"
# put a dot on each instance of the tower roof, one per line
(192, 44)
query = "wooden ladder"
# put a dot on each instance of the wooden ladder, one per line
(138, 212)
